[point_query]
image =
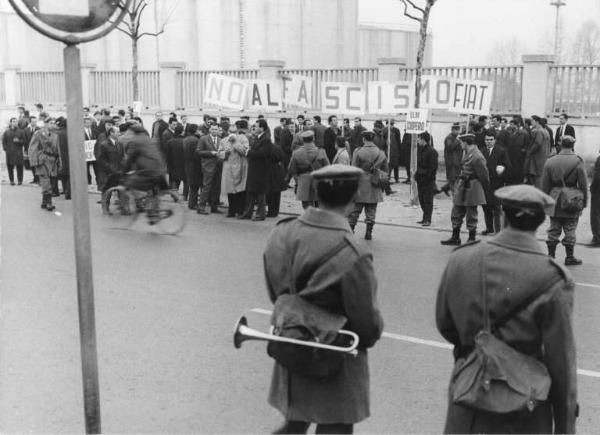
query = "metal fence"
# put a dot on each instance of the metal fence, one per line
(115, 88)
(507, 82)
(2, 90)
(352, 75)
(47, 88)
(190, 85)
(574, 89)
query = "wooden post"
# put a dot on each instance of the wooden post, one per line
(414, 194)
(82, 237)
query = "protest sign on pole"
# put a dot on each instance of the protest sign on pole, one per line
(472, 96)
(225, 92)
(416, 121)
(297, 91)
(386, 98)
(344, 98)
(88, 148)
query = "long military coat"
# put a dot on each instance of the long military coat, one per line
(346, 284)
(515, 267)
(365, 158)
(304, 160)
(569, 165)
(44, 152)
(473, 181)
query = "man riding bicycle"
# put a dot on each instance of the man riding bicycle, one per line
(144, 167)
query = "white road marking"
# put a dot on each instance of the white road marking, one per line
(583, 284)
(432, 343)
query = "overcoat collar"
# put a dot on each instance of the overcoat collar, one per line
(317, 217)
(519, 240)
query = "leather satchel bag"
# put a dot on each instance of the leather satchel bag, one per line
(495, 377)
(295, 317)
(570, 199)
(378, 177)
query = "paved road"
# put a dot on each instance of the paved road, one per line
(165, 310)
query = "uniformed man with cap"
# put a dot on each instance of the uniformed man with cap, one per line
(566, 169)
(531, 296)
(304, 160)
(469, 190)
(368, 158)
(335, 271)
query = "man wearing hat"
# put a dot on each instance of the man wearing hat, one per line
(453, 153)
(566, 169)
(530, 298)
(319, 254)
(469, 190)
(304, 160)
(369, 158)
(537, 153)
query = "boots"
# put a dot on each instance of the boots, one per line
(472, 234)
(49, 205)
(44, 201)
(369, 232)
(454, 240)
(551, 249)
(570, 259)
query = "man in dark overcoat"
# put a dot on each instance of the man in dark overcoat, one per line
(355, 140)
(564, 169)
(469, 191)
(394, 142)
(498, 166)
(518, 142)
(259, 175)
(193, 164)
(595, 205)
(176, 161)
(453, 153)
(427, 166)
(343, 282)
(329, 136)
(13, 142)
(537, 153)
(516, 274)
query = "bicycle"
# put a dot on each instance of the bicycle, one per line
(162, 208)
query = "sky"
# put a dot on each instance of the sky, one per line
(464, 31)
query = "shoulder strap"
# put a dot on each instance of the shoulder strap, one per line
(524, 304)
(374, 165)
(330, 253)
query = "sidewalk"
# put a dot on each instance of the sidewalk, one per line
(395, 210)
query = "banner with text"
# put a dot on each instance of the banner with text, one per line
(416, 121)
(88, 149)
(390, 97)
(265, 95)
(343, 98)
(224, 91)
(297, 91)
(456, 95)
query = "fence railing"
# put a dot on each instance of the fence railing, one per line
(190, 85)
(115, 88)
(353, 75)
(574, 89)
(507, 82)
(2, 90)
(42, 87)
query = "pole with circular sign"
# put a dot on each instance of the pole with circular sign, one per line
(74, 22)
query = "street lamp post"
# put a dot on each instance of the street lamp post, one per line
(557, 4)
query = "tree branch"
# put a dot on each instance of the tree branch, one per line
(126, 31)
(150, 34)
(406, 14)
(415, 6)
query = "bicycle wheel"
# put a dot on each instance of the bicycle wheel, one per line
(170, 213)
(118, 203)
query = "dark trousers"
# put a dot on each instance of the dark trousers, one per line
(492, 215)
(396, 170)
(211, 189)
(426, 191)
(11, 175)
(299, 427)
(595, 216)
(65, 180)
(175, 183)
(54, 184)
(260, 200)
(273, 200)
(36, 178)
(112, 180)
(193, 196)
(237, 203)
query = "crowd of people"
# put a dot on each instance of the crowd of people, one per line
(252, 165)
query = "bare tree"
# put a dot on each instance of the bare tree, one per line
(132, 27)
(421, 16)
(586, 46)
(506, 52)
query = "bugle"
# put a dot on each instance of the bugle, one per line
(242, 333)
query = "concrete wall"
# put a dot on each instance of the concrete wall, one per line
(378, 42)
